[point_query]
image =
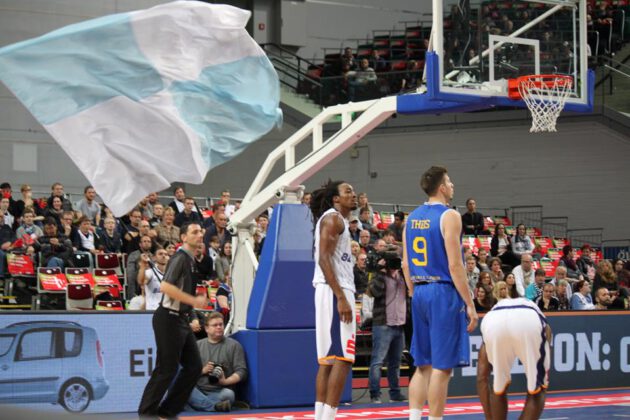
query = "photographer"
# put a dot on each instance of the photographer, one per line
(388, 288)
(224, 367)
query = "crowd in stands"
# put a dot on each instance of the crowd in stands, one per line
(389, 64)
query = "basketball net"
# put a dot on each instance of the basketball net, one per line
(545, 96)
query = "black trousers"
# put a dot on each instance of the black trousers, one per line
(176, 345)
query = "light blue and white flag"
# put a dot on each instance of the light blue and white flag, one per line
(139, 100)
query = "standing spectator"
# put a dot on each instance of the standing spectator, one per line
(226, 196)
(178, 200)
(564, 299)
(157, 210)
(187, 215)
(360, 274)
(388, 321)
(581, 299)
(27, 201)
(7, 236)
(547, 301)
(363, 203)
(89, 207)
(510, 282)
(534, 290)
(500, 291)
(110, 237)
(9, 218)
(132, 231)
(167, 231)
(521, 242)
(567, 261)
(224, 263)
(347, 59)
(496, 274)
(585, 263)
(472, 220)
(144, 208)
(150, 276)
(501, 246)
(472, 272)
(57, 191)
(398, 227)
(55, 248)
(524, 274)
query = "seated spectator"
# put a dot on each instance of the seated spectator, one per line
(524, 274)
(66, 225)
(355, 250)
(365, 223)
(187, 215)
(167, 231)
(603, 299)
(353, 228)
(145, 209)
(563, 296)
(9, 218)
(567, 261)
(226, 196)
(485, 279)
(28, 228)
(57, 191)
(132, 265)
(521, 242)
(472, 220)
(224, 367)
(377, 62)
(364, 241)
(363, 76)
(501, 246)
(157, 211)
(150, 275)
(86, 240)
(306, 199)
(219, 230)
(55, 248)
(472, 272)
(510, 282)
(13, 207)
(363, 203)
(144, 229)
(605, 276)
(484, 300)
(110, 237)
(7, 237)
(224, 262)
(534, 290)
(131, 230)
(390, 241)
(581, 299)
(398, 227)
(214, 249)
(585, 263)
(547, 301)
(496, 274)
(89, 207)
(412, 77)
(360, 275)
(205, 265)
(224, 298)
(218, 208)
(500, 291)
(482, 260)
(623, 279)
(347, 59)
(170, 249)
(27, 201)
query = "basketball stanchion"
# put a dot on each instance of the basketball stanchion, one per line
(544, 95)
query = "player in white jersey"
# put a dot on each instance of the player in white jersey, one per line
(333, 280)
(513, 328)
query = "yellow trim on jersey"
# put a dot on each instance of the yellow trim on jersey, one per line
(504, 389)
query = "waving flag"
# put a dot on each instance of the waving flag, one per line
(139, 100)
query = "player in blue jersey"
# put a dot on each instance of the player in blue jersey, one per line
(434, 272)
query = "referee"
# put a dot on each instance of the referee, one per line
(175, 341)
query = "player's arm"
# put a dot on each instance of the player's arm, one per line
(483, 381)
(330, 228)
(405, 264)
(452, 225)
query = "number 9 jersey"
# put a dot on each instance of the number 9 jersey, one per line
(426, 253)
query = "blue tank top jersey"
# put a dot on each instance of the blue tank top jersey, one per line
(426, 252)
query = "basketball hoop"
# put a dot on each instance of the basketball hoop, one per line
(545, 96)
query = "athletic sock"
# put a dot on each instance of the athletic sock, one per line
(415, 414)
(435, 418)
(329, 412)
(319, 410)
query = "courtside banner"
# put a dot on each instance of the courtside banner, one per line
(52, 354)
(590, 350)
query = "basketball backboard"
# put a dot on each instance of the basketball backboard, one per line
(481, 44)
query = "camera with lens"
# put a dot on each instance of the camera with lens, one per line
(215, 374)
(391, 258)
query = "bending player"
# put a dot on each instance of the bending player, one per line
(434, 271)
(333, 280)
(513, 328)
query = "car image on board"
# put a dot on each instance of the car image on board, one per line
(51, 362)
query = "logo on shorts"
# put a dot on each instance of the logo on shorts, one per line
(350, 345)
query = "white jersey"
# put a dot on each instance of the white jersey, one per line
(152, 294)
(342, 257)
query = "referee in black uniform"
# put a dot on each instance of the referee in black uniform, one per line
(175, 341)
